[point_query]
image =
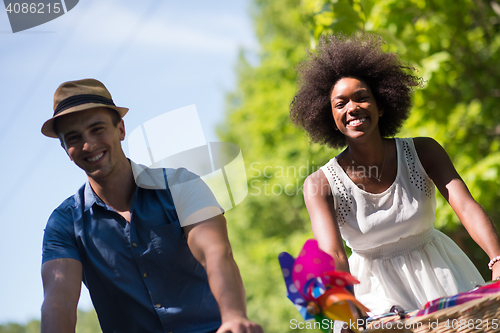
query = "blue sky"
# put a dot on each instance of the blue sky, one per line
(154, 57)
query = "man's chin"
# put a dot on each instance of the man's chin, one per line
(97, 174)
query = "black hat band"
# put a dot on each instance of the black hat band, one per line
(81, 99)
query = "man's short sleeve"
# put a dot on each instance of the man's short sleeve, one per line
(59, 240)
(193, 199)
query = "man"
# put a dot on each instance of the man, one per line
(146, 269)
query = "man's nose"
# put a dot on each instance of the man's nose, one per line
(89, 143)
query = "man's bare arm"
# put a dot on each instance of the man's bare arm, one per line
(209, 244)
(62, 280)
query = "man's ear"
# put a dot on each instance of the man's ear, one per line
(121, 127)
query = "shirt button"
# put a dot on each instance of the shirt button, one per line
(134, 244)
(145, 274)
(158, 305)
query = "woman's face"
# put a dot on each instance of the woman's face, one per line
(354, 108)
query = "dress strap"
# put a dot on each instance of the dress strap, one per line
(341, 200)
(416, 172)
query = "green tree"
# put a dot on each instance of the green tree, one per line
(12, 328)
(32, 326)
(87, 323)
(278, 157)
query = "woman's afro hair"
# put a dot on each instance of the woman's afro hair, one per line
(359, 56)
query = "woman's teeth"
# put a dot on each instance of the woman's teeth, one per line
(355, 122)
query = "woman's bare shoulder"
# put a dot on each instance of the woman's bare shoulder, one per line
(316, 184)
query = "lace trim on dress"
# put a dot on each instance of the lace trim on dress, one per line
(344, 201)
(416, 178)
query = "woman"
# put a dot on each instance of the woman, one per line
(379, 193)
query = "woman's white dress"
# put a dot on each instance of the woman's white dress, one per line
(398, 256)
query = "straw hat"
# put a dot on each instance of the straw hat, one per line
(80, 95)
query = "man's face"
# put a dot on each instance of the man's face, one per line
(92, 141)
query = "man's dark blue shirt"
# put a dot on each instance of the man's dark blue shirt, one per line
(141, 275)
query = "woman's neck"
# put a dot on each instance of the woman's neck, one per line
(366, 152)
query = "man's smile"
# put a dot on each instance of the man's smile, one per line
(95, 157)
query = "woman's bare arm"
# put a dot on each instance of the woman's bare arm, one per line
(440, 169)
(319, 203)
